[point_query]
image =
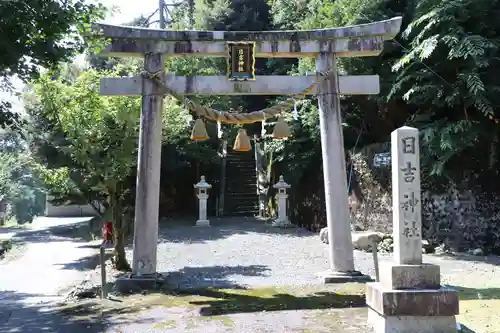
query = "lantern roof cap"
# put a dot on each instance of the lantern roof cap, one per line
(202, 183)
(281, 184)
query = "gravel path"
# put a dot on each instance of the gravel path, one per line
(244, 252)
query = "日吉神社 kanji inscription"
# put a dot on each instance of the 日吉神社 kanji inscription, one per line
(325, 45)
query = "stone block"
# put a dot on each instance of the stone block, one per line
(424, 276)
(426, 302)
(411, 324)
(344, 277)
(203, 223)
(135, 284)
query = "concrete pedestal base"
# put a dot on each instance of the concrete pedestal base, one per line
(411, 324)
(135, 284)
(203, 223)
(344, 277)
(416, 302)
(411, 310)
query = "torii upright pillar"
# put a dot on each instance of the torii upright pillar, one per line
(148, 173)
(340, 249)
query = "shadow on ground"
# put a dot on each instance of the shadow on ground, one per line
(465, 329)
(225, 302)
(86, 263)
(85, 317)
(211, 276)
(490, 259)
(467, 294)
(77, 232)
(185, 231)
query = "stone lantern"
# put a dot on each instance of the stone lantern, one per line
(202, 193)
(282, 220)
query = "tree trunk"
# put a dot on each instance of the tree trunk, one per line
(120, 259)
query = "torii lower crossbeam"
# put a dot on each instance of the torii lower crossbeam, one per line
(220, 85)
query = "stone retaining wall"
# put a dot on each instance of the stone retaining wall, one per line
(461, 219)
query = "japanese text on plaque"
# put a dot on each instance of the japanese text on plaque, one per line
(241, 61)
(410, 200)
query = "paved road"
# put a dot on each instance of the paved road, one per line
(29, 284)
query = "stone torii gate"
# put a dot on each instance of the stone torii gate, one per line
(325, 45)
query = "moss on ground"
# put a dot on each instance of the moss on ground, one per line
(217, 304)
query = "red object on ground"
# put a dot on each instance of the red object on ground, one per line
(107, 232)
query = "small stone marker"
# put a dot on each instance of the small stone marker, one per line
(409, 297)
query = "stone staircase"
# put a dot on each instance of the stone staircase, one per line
(240, 197)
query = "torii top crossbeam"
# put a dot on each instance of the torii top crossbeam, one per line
(357, 40)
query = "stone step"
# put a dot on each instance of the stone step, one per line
(242, 213)
(234, 208)
(240, 162)
(234, 195)
(239, 159)
(242, 191)
(248, 167)
(237, 173)
(241, 156)
(241, 208)
(247, 182)
(248, 200)
(241, 194)
(242, 183)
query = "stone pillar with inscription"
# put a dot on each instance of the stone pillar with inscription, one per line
(409, 296)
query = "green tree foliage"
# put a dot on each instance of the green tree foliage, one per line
(88, 142)
(438, 75)
(20, 184)
(38, 34)
(449, 74)
(97, 137)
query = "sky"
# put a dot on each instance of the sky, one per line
(130, 9)
(126, 11)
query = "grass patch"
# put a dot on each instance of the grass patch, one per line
(12, 224)
(10, 249)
